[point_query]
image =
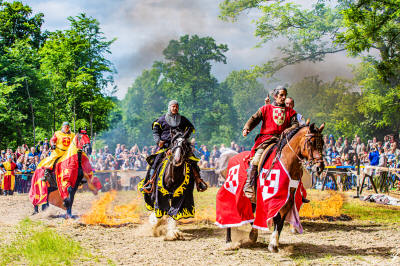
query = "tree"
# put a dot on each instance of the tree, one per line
(20, 38)
(247, 96)
(75, 64)
(187, 78)
(310, 33)
(374, 25)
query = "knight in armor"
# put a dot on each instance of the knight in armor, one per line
(59, 144)
(162, 129)
(276, 119)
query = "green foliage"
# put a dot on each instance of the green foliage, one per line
(36, 244)
(333, 103)
(247, 96)
(48, 78)
(310, 33)
(374, 25)
(74, 63)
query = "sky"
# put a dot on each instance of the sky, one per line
(143, 28)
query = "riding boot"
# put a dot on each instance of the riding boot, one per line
(250, 183)
(149, 185)
(201, 185)
(47, 174)
(304, 200)
(35, 210)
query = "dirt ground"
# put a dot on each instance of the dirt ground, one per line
(322, 243)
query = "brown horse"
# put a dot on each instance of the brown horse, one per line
(173, 188)
(305, 144)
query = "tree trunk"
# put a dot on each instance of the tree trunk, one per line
(33, 113)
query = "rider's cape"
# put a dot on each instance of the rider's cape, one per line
(179, 204)
(234, 209)
(66, 171)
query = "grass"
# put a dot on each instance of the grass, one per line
(36, 244)
(364, 211)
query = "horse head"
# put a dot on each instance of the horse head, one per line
(179, 148)
(313, 146)
(83, 141)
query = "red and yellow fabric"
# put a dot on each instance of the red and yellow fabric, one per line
(8, 182)
(67, 170)
(62, 140)
(275, 120)
(38, 191)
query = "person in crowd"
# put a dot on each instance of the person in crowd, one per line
(25, 174)
(118, 149)
(215, 153)
(205, 152)
(289, 102)
(8, 182)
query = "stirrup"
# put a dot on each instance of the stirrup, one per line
(201, 186)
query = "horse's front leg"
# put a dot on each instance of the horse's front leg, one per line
(274, 239)
(172, 231)
(69, 201)
(279, 220)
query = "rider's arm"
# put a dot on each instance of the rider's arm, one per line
(293, 124)
(254, 120)
(156, 132)
(53, 141)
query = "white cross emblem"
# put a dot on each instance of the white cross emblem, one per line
(232, 181)
(279, 115)
(269, 185)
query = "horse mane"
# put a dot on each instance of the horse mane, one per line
(280, 145)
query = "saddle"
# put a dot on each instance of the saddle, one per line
(267, 152)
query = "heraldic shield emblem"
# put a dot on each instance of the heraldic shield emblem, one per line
(278, 115)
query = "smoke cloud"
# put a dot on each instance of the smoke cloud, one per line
(143, 29)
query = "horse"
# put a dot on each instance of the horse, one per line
(222, 163)
(305, 143)
(70, 171)
(172, 191)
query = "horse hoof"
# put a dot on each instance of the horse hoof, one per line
(253, 235)
(174, 235)
(273, 248)
(232, 246)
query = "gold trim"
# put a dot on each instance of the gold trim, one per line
(160, 178)
(185, 213)
(179, 191)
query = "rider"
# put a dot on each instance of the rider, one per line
(59, 144)
(276, 119)
(8, 183)
(162, 128)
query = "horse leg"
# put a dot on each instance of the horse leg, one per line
(172, 231)
(228, 235)
(254, 232)
(69, 201)
(274, 240)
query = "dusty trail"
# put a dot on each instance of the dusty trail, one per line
(352, 242)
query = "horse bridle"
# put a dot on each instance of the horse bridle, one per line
(308, 146)
(181, 143)
(317, 136)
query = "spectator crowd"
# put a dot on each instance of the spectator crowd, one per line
(340, 152)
